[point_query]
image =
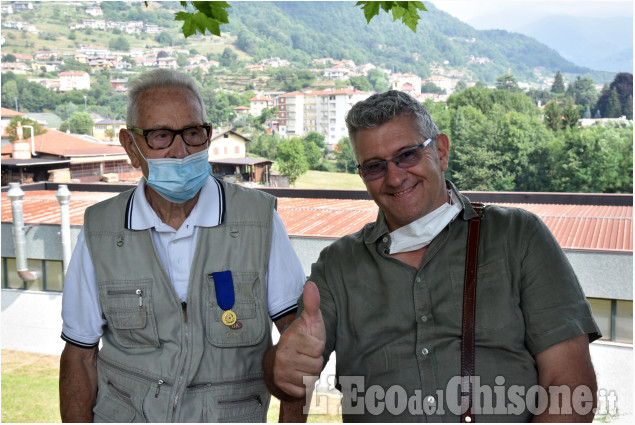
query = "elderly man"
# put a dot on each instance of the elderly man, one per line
(428, 325)
(179, 279)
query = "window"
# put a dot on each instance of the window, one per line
(225, 150)
(614, 318)
(236, 149)
(216, 151)
(50, 275)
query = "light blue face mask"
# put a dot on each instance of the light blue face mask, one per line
(178, 179)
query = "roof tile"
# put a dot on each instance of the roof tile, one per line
(575, 227)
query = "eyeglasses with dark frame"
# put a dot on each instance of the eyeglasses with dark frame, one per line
(162, 138)
(406, 159)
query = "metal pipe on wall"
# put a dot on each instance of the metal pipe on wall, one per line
(63, 196)
(15, 194)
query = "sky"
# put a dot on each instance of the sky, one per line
(511, 14)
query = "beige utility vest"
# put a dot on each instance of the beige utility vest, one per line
(167, 361)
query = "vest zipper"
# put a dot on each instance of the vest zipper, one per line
(133, 373)
(138, 292)
(180, 381)
(117, 389)
(216, 384)
(246, 399)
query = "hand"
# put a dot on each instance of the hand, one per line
(300, 347)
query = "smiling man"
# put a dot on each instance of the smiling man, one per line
(395, 299)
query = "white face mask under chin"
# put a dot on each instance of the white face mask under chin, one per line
(420, 232)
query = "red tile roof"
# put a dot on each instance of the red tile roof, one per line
(576, 227)
(57, 143)
(9, 113)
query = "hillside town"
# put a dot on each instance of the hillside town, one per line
(298, 112)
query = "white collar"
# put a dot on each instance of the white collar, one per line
(208, 211)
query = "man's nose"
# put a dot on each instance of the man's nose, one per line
(394, 174)
(178, 148)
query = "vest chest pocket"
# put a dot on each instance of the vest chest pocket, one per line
(250, 310)
(128, 308)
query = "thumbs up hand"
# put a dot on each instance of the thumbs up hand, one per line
(300, 347)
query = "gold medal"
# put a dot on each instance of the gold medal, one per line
(228, 318)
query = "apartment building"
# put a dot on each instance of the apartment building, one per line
(320, 111)
(74, 80)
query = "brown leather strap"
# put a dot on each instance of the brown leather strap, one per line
(469, 308)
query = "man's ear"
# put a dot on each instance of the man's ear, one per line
(443, 150)
(125, 139)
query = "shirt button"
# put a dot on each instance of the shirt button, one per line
(430, 400)
(385, 239)
(424, 318)
(418, 279)
(425, 352)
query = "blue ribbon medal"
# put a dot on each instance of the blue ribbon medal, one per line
(224, 286)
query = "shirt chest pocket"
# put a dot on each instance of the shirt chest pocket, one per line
(496, 301)
(249, 307)
(129, 311)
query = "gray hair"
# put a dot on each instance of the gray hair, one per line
(159, 78)
(383, 107)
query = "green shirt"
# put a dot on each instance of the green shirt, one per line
(398, 328)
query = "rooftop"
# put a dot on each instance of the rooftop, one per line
(600, 228)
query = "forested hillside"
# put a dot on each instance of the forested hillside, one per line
(299, 31)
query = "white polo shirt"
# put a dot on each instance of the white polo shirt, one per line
(82, 317)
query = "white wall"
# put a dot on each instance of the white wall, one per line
(32, 321)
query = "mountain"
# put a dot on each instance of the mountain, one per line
(299, 31)
(600, 43)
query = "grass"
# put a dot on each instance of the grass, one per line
(30, 392)
(325, 180)
(30, 388)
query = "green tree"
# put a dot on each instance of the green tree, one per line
(120, 44)
(181, 60)
(313, 155)
(81, 123)
(430, 87)
(65, 110)
(291, 159)
(360, 83)
(228, 58)
(316, 138)
(558, 83)
(473, 166)
(460, 86)
(584, 92)
(9, 58)
(628, 108)
(553, 116)
(507, 82)
(164, 38)
(378, 80)
(110, 132)
(613, 107)
(11, 128)
(344, 156)
(570, 114)
(623, 85)
(593, 160)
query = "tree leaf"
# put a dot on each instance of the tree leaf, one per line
(197, 22)
(213, 9)
(407, 11)
(370, 8)
(209, 16)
